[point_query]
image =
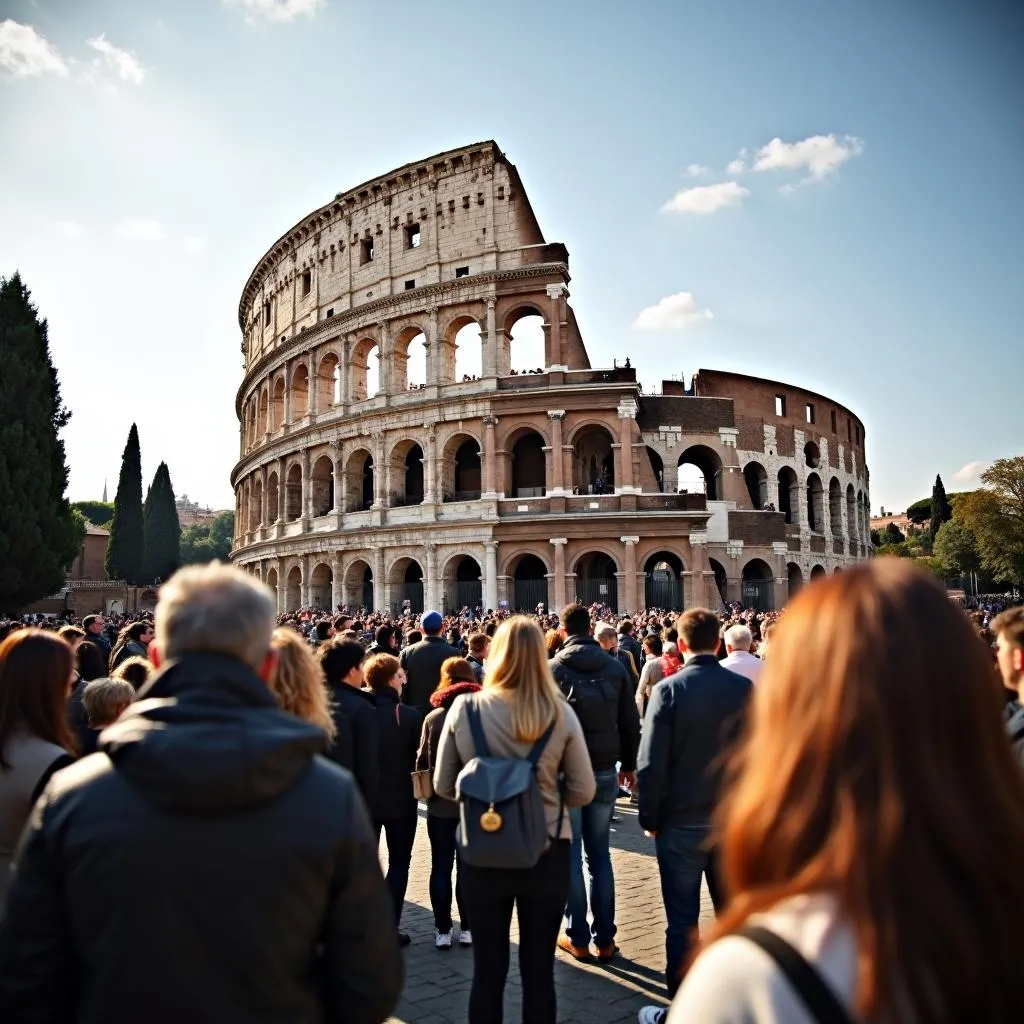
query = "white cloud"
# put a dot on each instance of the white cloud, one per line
(142, 230)
(819, 154)
(706, 198)
(276, 10)
(739, 165)
(126, 66)
(70, 228)
(697, 170)
(674, 312)
(193, 243)
(971, 473)
(24, 53)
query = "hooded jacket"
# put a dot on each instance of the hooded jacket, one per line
(205, 866)
(433, 724)
(398, 730)
(355, 745)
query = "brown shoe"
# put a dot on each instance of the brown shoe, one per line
(580, 953)
(607, 953)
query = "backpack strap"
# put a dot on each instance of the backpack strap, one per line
(476, 728)
(538, 748)
(817, 995)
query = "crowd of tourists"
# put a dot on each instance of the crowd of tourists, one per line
(192, 805)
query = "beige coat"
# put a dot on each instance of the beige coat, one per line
(566, 754)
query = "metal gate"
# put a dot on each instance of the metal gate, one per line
(368, 595)
(463, 594)
(598, 591)
(527, 594)
(413, 594)
(757, 594)
(663, 590)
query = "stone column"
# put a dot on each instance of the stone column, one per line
(627, 414)
(339, 478)
(311, 397)
(379, 598)
(431, 587)
(490, 361)
(282, 587)
(557, 476)
(557, 293)
(703, 578)
(559, 596)
(434, 349)
(337, 578)
(288, 392)
(490, 574)
(307, 491)
(305, 597)
(629, 598)
(281, 492)
(490, 459)
(384, 357)
(379, 474)
(265, 500)
(430, 489)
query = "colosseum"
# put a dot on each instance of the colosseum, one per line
(396, 451)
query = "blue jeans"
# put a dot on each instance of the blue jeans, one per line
(591, 826)
(443, 857)
(683, 856)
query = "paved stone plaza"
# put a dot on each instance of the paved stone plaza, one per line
(437, 984)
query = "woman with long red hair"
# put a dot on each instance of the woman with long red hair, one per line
(872, 831)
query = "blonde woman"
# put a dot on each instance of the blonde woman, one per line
(298, 683)
(518, 703)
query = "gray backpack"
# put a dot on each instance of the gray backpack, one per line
(501, 812)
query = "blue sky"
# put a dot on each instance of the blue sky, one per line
(152, 152)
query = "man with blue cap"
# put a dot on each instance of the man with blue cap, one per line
(422, 663)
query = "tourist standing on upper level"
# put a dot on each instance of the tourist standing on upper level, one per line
(1008, 628)
(517, 707)
(738, 640)
(599, 691)
(422, 663)
(398, 737)
(691, 718)
(206, 865)
(873, 824)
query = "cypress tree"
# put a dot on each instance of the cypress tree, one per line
(40, 535)
(941, 512)
(125, 548)
(162, 531)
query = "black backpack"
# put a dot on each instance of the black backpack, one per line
(501, 812)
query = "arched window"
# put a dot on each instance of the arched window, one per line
(262, 424)
(756, 479)
(357, 586)
(256, 507)
(699, 471)
(795, 578)
(409, 361)
(321, 583)
(273, 499)
(293, 494)
(835, 506)
(277, 405)
(789, 494)
(812, 455)
(300, 392)
(359, 493)
(406, 474)
(328, 383)
(593, 461)
(721, 582)
(461, 471)
(468, 352)
(528, 466)
(525, 340)
(322, 483)
(293, 589)
(364, 370)
(815, 503)
(657, 468)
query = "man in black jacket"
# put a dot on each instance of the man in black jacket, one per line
(1008, 628)
(422, 663)
(206, 865)
(599, 690)
(355, 745)
(691, 718)
(628, 642)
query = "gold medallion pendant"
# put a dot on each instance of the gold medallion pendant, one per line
(491, 820)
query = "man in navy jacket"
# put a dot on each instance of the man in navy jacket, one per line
(691, 719)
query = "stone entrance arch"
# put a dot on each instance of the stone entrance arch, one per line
(321, 583)
(293, 589)
(708, 466)
(357, 585)
(529, 584)
(596, 582)
(406, 582)
(463, 584)
(663, 587)
(757, 585)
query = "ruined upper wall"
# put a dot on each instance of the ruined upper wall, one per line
(459, 213)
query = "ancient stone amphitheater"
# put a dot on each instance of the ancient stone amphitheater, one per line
(397, 452)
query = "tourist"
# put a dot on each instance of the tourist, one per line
(874, 819)
(651, 674)
(458, 677)
(95, 632)
(1008, 628)
(104, 700)
(136, 671)
(209, 866)
(553, 640)
(297, 683)
(90, 661)
(394, 810)
(738, 640)
(355, 745)
(599, 691)
(133, 642)
(608, 637)
(36, 675)
(479, 644)
(422, 663)
(385, 641)
(691, 717)
(628, 642)
(517, 706)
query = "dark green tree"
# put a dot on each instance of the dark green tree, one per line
(208, 542)
(125, 548)
(920, 512)
(892, 534)
(39, 534)
(161, 549)
(941, 512)
(99, 513)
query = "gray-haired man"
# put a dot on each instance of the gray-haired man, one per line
(206, 864)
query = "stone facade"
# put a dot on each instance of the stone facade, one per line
(506, 489)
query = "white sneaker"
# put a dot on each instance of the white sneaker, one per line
(652, 1015)
(443, 940)
(465, 937)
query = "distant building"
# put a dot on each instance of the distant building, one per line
(190, 513)
(880, 522)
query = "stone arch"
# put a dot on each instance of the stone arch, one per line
(273, 497)
(364, 370)
(818, 572)
(815, 503)
(359, 481)
(524, 339)
(328, 381)
(663, 587)
(272, 583)
(256, 504)
(861, 517)
(462, 351)
(812, 455)
(321, 483)
(657, 467)
(293, 589)
(757, 585)
(721, 580)
(300, 391)
(407, 360)
(321, 584)
(596, 582)
(406, 580)
(293, 493)
(407, 473)
(529, 574)
(527, 465)
(795, 578)
(461, 469)
(708, 478)
(357, 584)
(463, 583)
(835, 506)
(593, 459)
(756, 478)
(789, 494)
(277, 403)
(851, 512)
(263, 418)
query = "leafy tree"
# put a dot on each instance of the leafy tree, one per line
(920, 512)
(876, 539)
(995, 515)
(955, 550)
(892, 534)
(161, 554)
(207, 542)
(941, 512)
(99, 513)
(39, 534)
(125, 548)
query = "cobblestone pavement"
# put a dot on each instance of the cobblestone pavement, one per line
(437, 984)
